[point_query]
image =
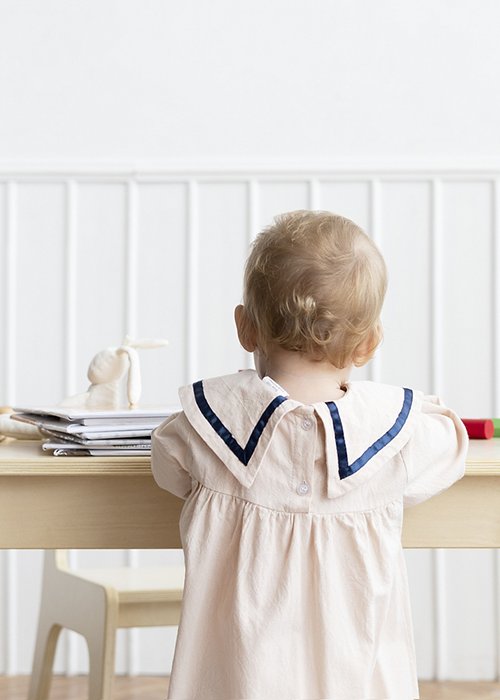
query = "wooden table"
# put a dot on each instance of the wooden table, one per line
(92, 502)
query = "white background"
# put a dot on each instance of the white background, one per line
(143, 144)
(324, 79)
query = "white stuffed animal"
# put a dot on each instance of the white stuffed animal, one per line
(106, 371)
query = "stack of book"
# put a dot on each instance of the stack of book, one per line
(74, 431)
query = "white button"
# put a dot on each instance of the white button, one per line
(303, 488)
(307, 423)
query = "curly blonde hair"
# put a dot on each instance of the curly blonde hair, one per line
(315, 283)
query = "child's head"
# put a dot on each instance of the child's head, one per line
(314, 283)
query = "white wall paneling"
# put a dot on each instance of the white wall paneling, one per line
(495, 307)
(436, 300)
(10, 269)
(222, 246)
(440, 612)
(90, 253)
(40, 237)
(374, 228)
(192, 284)
(70, 280)
(465, 572)
(496, 610)
(405, 222)
(467, 292)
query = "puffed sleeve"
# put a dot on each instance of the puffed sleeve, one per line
(435, 454)
(170, 455)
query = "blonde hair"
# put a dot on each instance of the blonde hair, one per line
(315, 283)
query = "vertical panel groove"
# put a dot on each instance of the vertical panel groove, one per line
(436, 301)
(131, 260)
(375, 365)
(314, 194)
(253, 219)
(439, 598)
(253, 210)
(11, 597)
(4, 603)
(70, 288)
(71, 661)
(133, 659)
(495, 277)
(496, 612)
(10, 289)
(192, 287)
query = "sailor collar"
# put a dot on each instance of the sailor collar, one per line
(238, 414)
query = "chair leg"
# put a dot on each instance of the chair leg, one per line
(101, 664)
(100, 634)
(43, 661)
(90, 609)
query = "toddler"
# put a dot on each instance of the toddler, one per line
(295, 480)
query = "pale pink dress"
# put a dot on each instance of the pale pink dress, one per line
(296, 586)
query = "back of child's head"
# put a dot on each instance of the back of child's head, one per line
(315, 283)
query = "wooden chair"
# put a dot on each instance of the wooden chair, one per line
(94, 603)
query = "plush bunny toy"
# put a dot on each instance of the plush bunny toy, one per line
(105, 372)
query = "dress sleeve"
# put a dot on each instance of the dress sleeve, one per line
(435, 454)
(170, 455)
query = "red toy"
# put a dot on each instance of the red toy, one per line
(479, 428)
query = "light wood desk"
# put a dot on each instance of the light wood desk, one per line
(91, 502)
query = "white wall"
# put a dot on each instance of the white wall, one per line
(386, 112)
(156, 79)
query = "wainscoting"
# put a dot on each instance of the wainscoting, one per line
(90, 253)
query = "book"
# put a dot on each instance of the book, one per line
(74, 451)
(123, 430)
(105, 449)
(80, 415)
(80, 431)
(55, 435)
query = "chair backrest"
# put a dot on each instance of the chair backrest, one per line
(56, 560)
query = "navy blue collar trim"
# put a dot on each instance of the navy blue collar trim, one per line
(346, 469)
(244, 454)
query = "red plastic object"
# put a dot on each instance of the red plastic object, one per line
(479, 428)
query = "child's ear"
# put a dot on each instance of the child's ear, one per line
(245, 328)
(366, 350)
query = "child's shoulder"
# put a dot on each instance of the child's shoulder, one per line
(380, 403)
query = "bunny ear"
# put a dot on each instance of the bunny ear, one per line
(145, 342)
(134, 386)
